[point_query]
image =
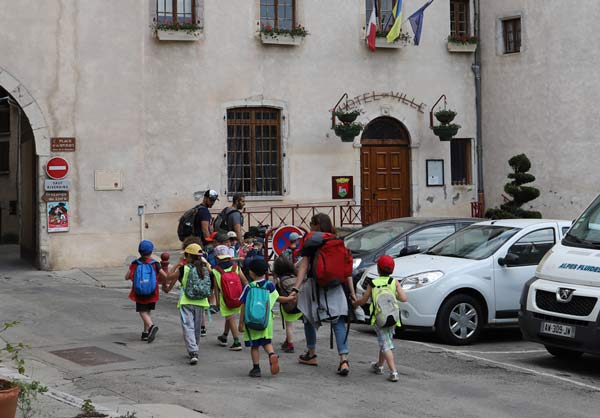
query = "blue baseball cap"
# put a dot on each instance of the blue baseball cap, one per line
(146, 247)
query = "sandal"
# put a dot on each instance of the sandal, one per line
(343, 371)
(274, 362)
(306, 358)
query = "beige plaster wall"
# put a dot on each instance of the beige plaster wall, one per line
(155, 110)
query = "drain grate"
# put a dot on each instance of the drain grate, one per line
(90, 356)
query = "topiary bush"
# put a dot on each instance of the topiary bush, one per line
(520, 194)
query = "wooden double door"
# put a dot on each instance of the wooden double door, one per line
(385, 175)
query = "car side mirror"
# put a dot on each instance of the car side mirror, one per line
(411, 249)
(509, 260)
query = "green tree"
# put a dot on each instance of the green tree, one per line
(520, 194)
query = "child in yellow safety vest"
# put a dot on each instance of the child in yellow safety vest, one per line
(383, 287)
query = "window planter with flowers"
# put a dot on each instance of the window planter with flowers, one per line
(400, 42)
(274, 36)
(462, 43)
(186, 32)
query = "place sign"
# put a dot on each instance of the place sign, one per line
(57, 185)
(62, 144)
(55, 197)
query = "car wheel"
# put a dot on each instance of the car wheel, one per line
(563, 353)
(459, 320)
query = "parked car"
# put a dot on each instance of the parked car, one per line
(559, 305)
(474, 277)
(399, 237)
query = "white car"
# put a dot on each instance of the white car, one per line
(474, 277)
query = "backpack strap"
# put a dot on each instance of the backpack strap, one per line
(390, 280)
(220, 269)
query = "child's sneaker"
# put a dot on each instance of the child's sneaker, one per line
(152, 333)
(222, 340)
(274, 362)
(213, 309)
(393, 377)
(255, 372)
(376, 368)
(284, 345)
(144, 336)
(203, 331)
(193, 358)
(236, 346)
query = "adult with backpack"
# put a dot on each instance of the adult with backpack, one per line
(385, 292)
(323, 282)
(197, 220)
(145, 274)
(231, 219)
(229, 280)
(196, 287)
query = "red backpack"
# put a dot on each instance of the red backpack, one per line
(332, 263)
(231, 286)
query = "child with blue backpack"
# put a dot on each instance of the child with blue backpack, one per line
(384, 291)
(256, 316)
(196, 287)
(145, 274)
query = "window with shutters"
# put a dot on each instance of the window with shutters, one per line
(459, 18)
(254, 151)
(460, 161)
(511, 35)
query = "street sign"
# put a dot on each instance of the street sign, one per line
(62, 144)
(55, 197)
(57, 168)
(281, 237)
(57, 185)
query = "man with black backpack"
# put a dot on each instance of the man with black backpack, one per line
(202, 219)
(231, 218)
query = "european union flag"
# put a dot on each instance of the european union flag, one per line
(416, 21)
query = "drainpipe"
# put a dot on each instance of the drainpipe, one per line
(476, 67)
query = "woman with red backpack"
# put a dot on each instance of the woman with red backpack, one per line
(323, 289)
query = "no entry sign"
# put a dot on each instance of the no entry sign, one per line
(57, 168)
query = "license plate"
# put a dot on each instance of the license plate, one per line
(558, 329)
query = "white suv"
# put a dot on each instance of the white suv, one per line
(474, 277)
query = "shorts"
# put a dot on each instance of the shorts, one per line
(385, 338)
(257, 343)
(145, 307)
(235, 316)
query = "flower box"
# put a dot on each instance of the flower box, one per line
(281, 39)
(461, 47)
(383, 43)
(177, 35)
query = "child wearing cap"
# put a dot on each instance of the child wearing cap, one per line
(385, 335)
(225, 265)
(144, 305)
(191, 308)
(292, 251)
(261, 338)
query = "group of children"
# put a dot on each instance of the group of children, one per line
(222, 285)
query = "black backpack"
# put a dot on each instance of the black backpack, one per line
(185, 228)
(221, 221)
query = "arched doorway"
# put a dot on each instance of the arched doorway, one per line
(385, 171)
(19, 217)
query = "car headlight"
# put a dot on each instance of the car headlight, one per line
(417, 281)
(356, 262)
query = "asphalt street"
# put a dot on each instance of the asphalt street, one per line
(85, 317)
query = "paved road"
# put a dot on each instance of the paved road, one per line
(502, 376)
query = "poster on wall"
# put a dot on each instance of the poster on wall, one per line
(342, 187)
(58, 216)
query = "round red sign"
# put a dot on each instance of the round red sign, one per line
(281, 237)
(57, 168)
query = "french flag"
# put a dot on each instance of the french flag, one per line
(372, 29)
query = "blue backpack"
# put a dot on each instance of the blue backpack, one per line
(144, 278)
(257, 308)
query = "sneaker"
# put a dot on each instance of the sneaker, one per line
(393, 377)
(144, 336)
(288, 349)
(274, 362)
(284, 345)
(376, 368)
(222, 340)
(213, 309)
(306, 358)
(236, 346)
(152, 333)
(203, 331)
(255, 372)
(193, 358)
